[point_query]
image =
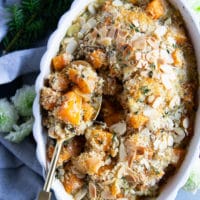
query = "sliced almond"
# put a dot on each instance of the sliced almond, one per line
(186, 122)
(92, 190)
(158, 101)
(160, 31)
(175, 101)
(122, 151)
(80, 194)
(166, 81)
(152, 56)
(119, 128)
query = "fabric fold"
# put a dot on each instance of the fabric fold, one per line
(19, 63)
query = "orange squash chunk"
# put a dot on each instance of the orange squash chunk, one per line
(72, 183)
(181, 38)
(137, 121)
(98, 59)
(70, 110)
(85, 84)
(177, 58)
(155, 9)
(60, 61)
(104, 168)
(115, 189)
(88, 112)
(180, 153)
(64, 155)
(103, 137)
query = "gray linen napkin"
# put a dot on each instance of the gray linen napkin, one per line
(20, 172)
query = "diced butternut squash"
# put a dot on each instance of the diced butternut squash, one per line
(115, 189)
(89, 162)
(86, 97)
(98, 59)
(180, 153)
(88, 112)
(60, 61)
(64, 155)
(176, 55)
(73, 148)
(102, 138)
(50, 151)
(155, 9)
(137, 121)
(104, 168)
(85, 84)
(72, 183)
(133, 1)
(180, 38)
(70, 110)
(93, 165)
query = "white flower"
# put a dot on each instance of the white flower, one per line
(20, 132)
(8, 115)
(23, 100)
(193, 182)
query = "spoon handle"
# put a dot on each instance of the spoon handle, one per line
(45, 193)
(52, 168)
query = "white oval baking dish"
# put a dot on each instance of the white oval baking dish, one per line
(169, 192)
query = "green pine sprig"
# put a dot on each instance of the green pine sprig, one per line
(31, 20)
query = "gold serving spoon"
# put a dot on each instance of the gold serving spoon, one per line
(45, 194)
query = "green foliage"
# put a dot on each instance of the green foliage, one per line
(32, 20)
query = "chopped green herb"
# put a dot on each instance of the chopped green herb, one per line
(152, 66)
(151, 74)
(133, 27)
(175, 46)
(168, 51)
(145, 90)
(137, 29)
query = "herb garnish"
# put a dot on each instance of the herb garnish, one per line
(152, 66)
(133, 27)
(145, 90)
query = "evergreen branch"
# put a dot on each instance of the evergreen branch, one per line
(16, 37)
(31, 20)
(18, 18)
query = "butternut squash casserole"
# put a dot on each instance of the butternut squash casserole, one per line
(138, 56)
